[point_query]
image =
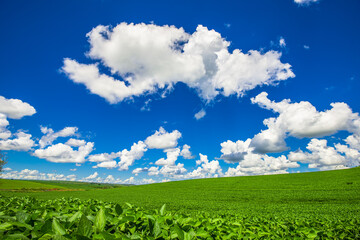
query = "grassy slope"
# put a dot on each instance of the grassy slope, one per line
(79, 185)
(328, 193)
(19, 184)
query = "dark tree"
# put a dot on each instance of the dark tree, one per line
(3, 160)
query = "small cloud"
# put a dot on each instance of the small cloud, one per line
(306, 47)
(73, 169)
(227, 25)
(7, 169)
(305, 2)
(146, 106)
(282, 42)
(200, 114)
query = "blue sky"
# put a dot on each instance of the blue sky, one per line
(115, 74)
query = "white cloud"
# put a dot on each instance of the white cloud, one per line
(61, 153)
(173, 171)
(200, 114)
(185, 152)
(4, 132)
(172, 155)
(353, 141)
(15, 108)
(324, 157)
(7, 169)
(73, 169)
(305, 2)
(235, 151)
(36, 175)
(149, 58)
(103, 157)
(50, 136)
(261, 164)
(75, 142)
(136, 171)
(127, 158)
(206, 169)
(92, 176)
(300, 120)
(107, 164)
(307, 47)
(162, 139)
(21, 142)
(282, 42)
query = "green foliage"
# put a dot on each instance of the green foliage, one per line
(319, 193)
(28, 218)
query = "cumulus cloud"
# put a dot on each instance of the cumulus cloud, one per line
(15, 108)
(92, 176)
(50, 136)
(251, 163)
(72, 142)
(32, 174)
(206, 169)
(107, 164)
(200, 114)
(127, 157)
(300, 120)
(235, 151)
(62, 153)
(185, 152)
(324, 157)
(149, 58)
(172, 155)
(261, 164)
(21, 142)
(162, 139)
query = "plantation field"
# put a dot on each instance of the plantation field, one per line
(39, 185)
(7, 185)
(318, 205)
(330, 193)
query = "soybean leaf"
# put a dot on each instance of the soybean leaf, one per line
(100, 220)
(118, 209)
(57, 228)
(84, 227)
(162, 210)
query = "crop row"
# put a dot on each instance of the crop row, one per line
(29, 218)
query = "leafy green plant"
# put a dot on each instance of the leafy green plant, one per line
(71, 218)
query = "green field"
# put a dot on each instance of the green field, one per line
(318, 205)
(329, 192)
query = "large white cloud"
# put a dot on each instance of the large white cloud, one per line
(172, 155)
(300, 120)
(185, 152)
(206, 169)
(62, 153)
(21, 142)
(15, 108)
(162, 139)
(127, 157)
(324, 157)
(148, 57)
(261, 164)
(50, 136)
